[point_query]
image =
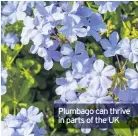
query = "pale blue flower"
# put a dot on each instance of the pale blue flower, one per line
(51, 14)
(132, 78)
(69, 96)
(101, 76)
(35, 29)
(71, 29)
(9, 124)
(70, 12)
(5, 130)
(66, 84)
(24, 123)
(110, 46)
(48, 51)
(39, 131)
(71, 57)
(84, 11)
(129, 49)
(128, 98)
(108, 6)
(127, 95)
(14, 11)
(31, 115)
(11, 40)
(32, 4)
(98, 96)
(95, 26)
(84, 69)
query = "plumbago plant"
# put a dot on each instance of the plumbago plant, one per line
(67, 52)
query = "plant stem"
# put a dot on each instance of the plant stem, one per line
(88, 5)
(16, 54)
(124, 64)
(118, 62)
(14, 92)
(53, 132)
(14, 100)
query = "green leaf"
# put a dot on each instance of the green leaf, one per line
(125, 30)
(130, 65)
(19, 63)
(136, 131)
(28, 63)
(105, 59)
(6, 97)
(97, 132)
(40, 105)
(26, 85)
(41, 82)
(122, 129)
(96, 48)
(136, 3)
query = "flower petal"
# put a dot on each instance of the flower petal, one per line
(105, 44)
(38, 39)
(94, 85)
(105, 100)
(28, 22)
(134, 46)
(66, 49)
(79, 47)
(86, 130)
(60, 90)
(66, 61)
(133, 57)
(21, 15)
(133, 83)
(109, 53)
(61, 81)
(98, 65)
(55, 55)
(109, 71)
(42, 52)
(114, 38)
(131, 74)
(48, 64)
(72, 38)
(105, 82)
(34, 49)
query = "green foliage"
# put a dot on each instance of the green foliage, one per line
(97, 132)
(125, 30)
(136, 131)
(122, 129)
(15, 28)
(92, 6)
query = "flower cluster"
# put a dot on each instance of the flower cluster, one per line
(55, 31)
(48, 22)
(89, 72)
(24, 124)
